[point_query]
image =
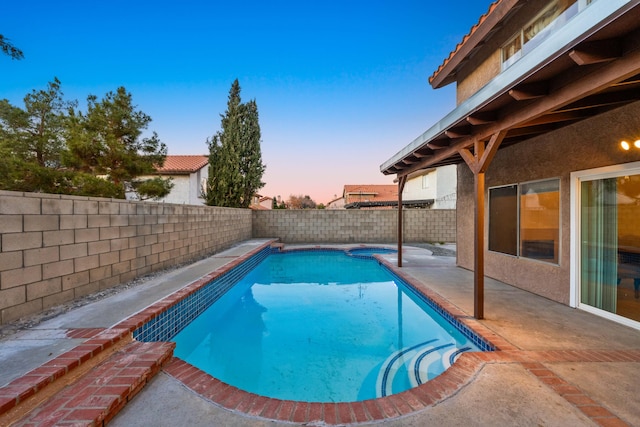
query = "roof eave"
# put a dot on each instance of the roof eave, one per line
(489, 22)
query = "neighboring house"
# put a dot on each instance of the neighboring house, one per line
(189, 174)
(436, 184)
(337, 203)
(546, 139)
(261, 203)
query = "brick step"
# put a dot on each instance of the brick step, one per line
(99, 343)
(97, 396)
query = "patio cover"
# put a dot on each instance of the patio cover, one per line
(590, 66)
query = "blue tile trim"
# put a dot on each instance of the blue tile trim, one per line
(171, 321)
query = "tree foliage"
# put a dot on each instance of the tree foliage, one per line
(9, 49)
(50, 146)
(301, 202)
(35, 134)
(235, 159)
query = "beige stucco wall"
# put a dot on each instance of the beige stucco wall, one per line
(584, 145)
(56, 248)
(354, 226)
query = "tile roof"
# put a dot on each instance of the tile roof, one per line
(465, 39)
(378, 192)
(183, 164)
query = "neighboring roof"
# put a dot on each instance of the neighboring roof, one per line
(177, 165)
(259, 207)
(378, 191)
(390, 203)
(446, 72)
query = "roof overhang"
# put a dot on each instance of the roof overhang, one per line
(391, 203)
(590, 66)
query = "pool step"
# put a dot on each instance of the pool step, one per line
(98, 395)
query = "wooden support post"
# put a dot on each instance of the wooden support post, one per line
(478, 162)
(478, 248)
(401, 181)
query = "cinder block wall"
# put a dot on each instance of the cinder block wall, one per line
(56, 248)
(354, 226)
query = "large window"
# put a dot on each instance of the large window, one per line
(524, 220)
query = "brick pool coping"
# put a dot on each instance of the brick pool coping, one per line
(100, 403)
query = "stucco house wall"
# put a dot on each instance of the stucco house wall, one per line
(186, 188)
(584, 145)
(440, 186)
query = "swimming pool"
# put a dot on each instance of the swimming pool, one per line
(401, 359)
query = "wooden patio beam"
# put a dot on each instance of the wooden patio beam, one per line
(482, 118)
(529, 91)
(455, 134)
(599, 78)
(557, 117)
(439, 144)
(596, 52)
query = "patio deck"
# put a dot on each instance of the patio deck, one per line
(557, 365)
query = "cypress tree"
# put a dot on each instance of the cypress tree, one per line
(235, 160)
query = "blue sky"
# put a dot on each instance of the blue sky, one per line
(341, 86)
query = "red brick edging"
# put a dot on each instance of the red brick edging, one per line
(396, 405)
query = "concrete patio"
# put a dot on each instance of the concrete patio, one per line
(558, 366)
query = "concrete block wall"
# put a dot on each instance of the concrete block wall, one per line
(56, 248)
(355, 226)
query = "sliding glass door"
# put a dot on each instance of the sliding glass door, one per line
(609, 242)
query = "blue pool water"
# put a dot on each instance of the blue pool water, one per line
(321, 326)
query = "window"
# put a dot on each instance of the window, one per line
(503, 220)
(425, 181)
(540, 220)
(524, 220)
(555, 15)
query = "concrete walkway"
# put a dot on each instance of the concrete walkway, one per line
(559, 367)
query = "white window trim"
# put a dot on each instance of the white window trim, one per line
(574, 271)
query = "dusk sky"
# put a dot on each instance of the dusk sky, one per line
(341, 86)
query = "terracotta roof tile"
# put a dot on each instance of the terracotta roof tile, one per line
(183, 164)
(376, 192)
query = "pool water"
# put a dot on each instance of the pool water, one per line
(321, 327)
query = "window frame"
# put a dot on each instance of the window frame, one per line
(576, 180)
(518, 224)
